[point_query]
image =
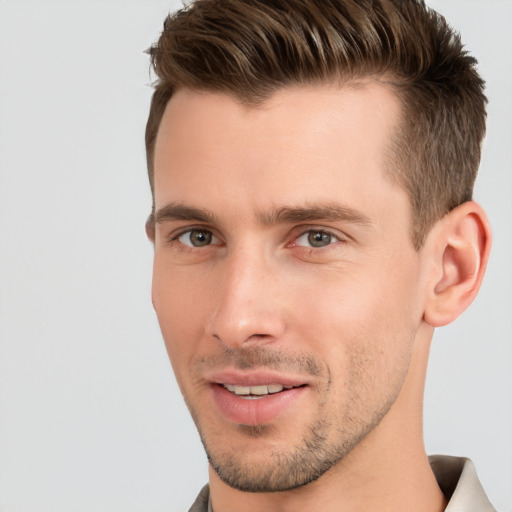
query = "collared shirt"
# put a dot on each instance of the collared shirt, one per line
(456, 477)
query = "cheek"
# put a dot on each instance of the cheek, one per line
(182, 310)
(362, 313)
(365, 331)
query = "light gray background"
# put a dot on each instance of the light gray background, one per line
(90, 416)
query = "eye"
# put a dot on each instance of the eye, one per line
(316, 238)
(197, 238)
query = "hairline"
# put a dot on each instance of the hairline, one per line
(394, 157)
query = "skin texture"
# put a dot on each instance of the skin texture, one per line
(283, 254)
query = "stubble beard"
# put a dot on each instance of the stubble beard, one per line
(290, 468)
(325, 442)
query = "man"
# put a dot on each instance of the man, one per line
(312, 165)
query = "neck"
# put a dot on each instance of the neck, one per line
(401, 480)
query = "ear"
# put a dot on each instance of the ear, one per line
(460, 245)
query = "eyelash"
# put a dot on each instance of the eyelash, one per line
(306, 232)
(317, 231)
(174, 237)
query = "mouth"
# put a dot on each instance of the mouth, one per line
(257, 392)
(257, 398)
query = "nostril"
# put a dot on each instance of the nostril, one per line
(244, 341)
(257, 338)
(239, 327)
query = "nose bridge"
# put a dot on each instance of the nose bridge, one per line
(247, 311)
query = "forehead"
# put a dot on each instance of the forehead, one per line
(288, 111)
(303, 144)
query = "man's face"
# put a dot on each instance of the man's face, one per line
(285, 281)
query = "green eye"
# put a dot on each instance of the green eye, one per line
(196, 238)
(316, 238)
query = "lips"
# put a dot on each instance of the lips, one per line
(256, 398)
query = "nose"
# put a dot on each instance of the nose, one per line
(249, 308)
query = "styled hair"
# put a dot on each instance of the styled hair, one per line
(251, 48)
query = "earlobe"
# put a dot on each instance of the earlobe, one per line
(461, 247)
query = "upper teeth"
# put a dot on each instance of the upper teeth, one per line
(256, 390)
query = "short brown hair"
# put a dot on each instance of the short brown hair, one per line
(251, 48)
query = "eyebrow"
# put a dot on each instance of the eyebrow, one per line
(277, 215)
(329, 212)
(176, 211)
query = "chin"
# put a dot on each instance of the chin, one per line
(261, 464)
